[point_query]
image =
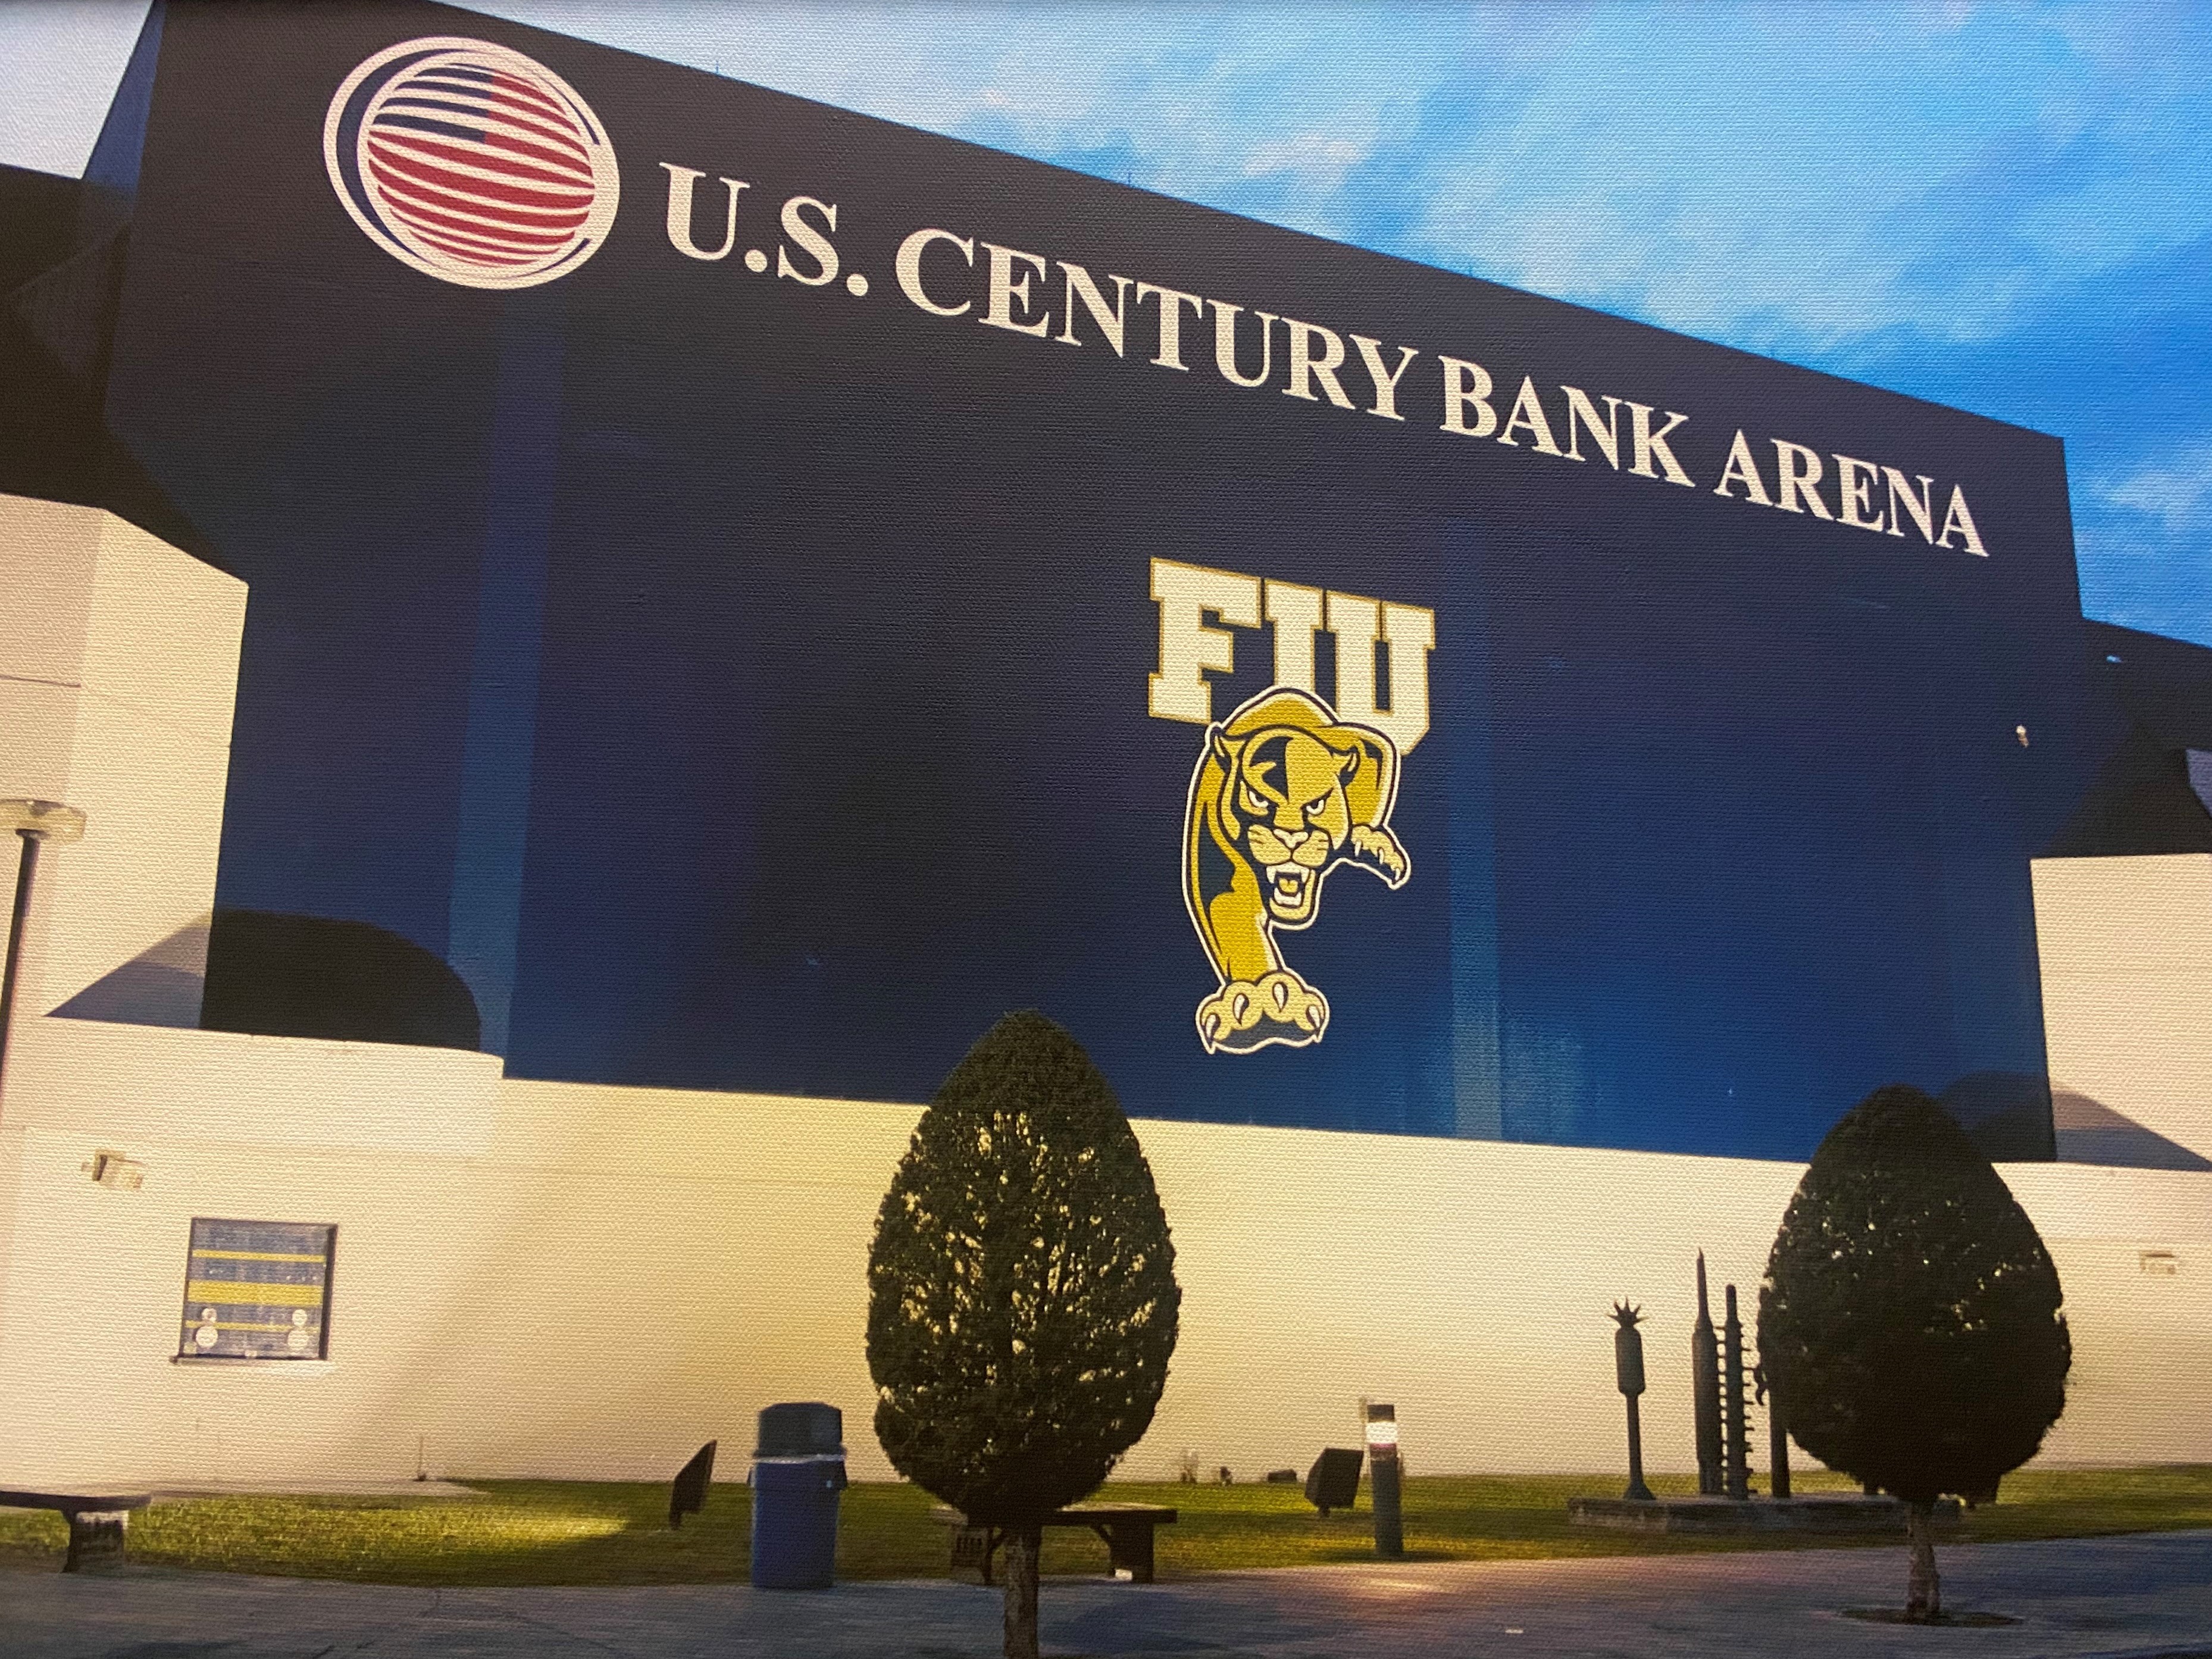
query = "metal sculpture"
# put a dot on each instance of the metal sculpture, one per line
(1739, 1452)
(1628, 1374)
(1768, 1394)
(1705, 1390)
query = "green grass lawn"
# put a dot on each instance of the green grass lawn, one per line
(550, 1532)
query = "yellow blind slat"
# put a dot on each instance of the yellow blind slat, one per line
(246, 1292)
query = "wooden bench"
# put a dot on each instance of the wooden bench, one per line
(98, 1523)
(1126, 1529)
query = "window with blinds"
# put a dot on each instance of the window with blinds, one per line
(257, 1290)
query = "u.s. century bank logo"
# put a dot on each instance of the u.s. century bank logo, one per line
(471, 163)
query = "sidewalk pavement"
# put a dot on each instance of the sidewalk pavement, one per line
(2148, 1597)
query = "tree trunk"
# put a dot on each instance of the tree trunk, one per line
(1924, 1589)
(1022, 1546)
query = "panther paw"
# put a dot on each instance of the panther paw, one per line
(1248, 1014)
(1377, 848)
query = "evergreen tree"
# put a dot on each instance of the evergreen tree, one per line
(1022, 1299)
(1911, 1317)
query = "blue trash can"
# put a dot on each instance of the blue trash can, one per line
(799, 1469)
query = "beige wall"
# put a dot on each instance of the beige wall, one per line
(373, 1138)
(2126, 947)
(624, 1273)
(118, 663)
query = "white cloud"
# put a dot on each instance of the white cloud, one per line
(1316, 156)
(2176, 490)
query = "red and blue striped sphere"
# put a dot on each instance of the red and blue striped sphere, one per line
(471, 163)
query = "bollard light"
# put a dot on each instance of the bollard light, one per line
(1382, 1470)
(35, 823)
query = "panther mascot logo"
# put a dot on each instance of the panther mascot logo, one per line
(1284, 792)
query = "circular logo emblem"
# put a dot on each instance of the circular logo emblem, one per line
(471, 163)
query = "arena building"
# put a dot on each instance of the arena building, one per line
(607, 622)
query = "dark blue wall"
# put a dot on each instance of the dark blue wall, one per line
(743, 684)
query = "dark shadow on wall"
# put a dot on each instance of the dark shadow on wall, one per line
(2007, 1115)
(2014, 1117)
(161, 986)
(2090, 1131)
(311, 976)
(284, 976)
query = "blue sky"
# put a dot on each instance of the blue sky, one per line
(2003, 207)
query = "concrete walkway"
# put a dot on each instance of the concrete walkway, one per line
(2138, 1597)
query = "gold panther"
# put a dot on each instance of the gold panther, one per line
(1283, 793)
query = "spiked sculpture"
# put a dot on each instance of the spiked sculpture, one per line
(1705, 1390)
(1628, 1372)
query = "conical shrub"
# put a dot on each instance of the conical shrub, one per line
(1022, 1302)
(1910, 1311)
